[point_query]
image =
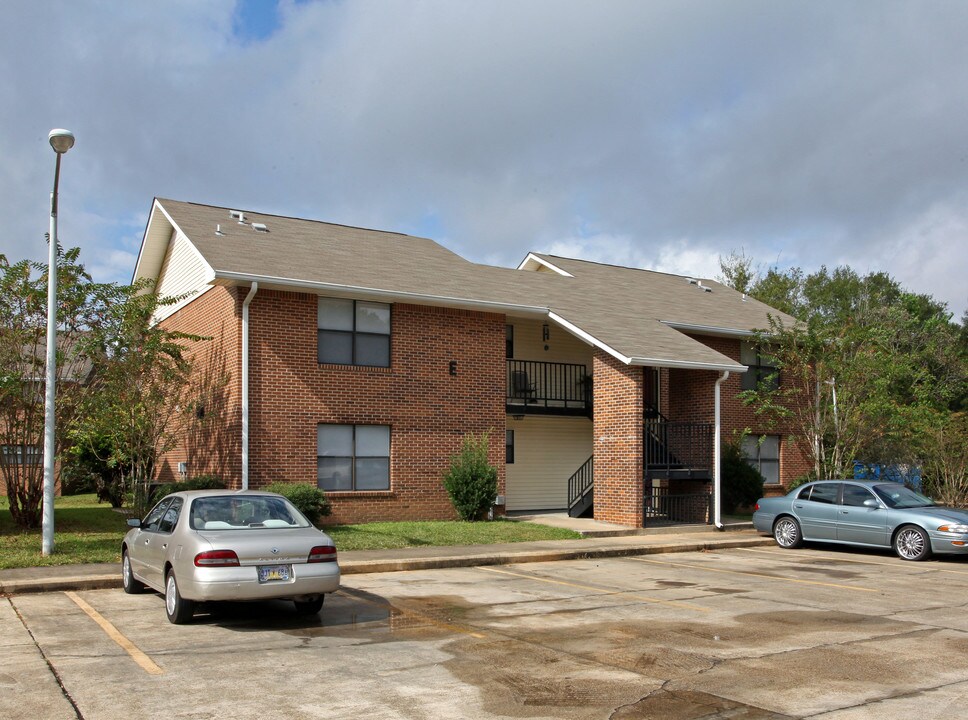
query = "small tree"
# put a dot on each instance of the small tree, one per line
(23, 351)
(471, 481)
(741, 483)
(136, 410)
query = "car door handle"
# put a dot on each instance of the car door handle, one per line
(845, 512)
(798, 507)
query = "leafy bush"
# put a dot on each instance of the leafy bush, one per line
(471, 481)
(742, 484)
(309, 500)
(199, 482)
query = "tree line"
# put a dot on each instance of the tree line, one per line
(872, 372)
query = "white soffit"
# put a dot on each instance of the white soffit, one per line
(533, 262)
(154, 246)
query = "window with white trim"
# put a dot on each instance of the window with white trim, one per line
(353, 332)
(353, 457)
(763, 453)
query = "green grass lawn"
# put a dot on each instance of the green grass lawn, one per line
(86, 531)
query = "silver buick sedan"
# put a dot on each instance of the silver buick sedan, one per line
(204, 545)
(866, 513)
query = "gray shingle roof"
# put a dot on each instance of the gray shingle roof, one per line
(630, 312)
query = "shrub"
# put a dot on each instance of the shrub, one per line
(741, 483)
(471, 481)
(199, 482)
(309, 500)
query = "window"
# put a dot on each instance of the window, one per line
(763, 453)
(509, 447)
(170, 518)
(762, 371)
(153, 520)
(22, 454)
(826, 493)
(353, 457)
(855, 495)
(509, 341)
(353, 332)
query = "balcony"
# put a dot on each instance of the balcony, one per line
(548, 388)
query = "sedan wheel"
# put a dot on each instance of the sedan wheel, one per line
(911, 543)
(309, 607)
(786, 532)
(131, 586)
(179, 609)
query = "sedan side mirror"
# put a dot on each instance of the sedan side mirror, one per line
(134, 522)
(871, 503)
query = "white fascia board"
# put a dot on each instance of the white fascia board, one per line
(709, 329)
(687, 364)
(210, 273)
(532, 258)
(267, 281)
(590, 339)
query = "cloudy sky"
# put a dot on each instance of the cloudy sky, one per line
(644, 133)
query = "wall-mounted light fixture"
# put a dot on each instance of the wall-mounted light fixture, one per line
(519, 416)
(452, 367)
(545, 332)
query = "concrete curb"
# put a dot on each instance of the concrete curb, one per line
(503, 555)
(512, 558)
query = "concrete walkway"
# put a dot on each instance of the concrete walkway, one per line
(596, 544)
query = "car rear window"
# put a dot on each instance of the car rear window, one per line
(825, 493)
(245, 512)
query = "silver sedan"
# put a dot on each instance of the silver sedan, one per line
(866, 513)
(204, 545)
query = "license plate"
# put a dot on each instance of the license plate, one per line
(275, 573)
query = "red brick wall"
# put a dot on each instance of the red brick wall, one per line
(212, 443)
(691, 399)
(427, 409)
(618, 441)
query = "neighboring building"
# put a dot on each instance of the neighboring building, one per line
(358, 359)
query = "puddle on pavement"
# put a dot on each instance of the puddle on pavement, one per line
(688, 705)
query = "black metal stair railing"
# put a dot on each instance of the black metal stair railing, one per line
(581, 487)
(678, 446)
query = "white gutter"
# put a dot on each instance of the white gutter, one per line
(717, 451)
(400, 295)
(245, 384)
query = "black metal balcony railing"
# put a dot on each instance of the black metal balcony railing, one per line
(548, 387)
(683, 447)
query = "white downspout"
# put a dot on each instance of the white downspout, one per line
(245, 384)
(717, 450)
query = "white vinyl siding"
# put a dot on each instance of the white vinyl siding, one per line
(183, 271)
(547, 451)
(563, 347)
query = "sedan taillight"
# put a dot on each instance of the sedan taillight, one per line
(217, 558)
(322, 553)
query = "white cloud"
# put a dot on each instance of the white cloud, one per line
(657, 134)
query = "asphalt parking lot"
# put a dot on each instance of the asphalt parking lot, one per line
(752, 633)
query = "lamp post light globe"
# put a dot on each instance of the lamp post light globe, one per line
(61, 141)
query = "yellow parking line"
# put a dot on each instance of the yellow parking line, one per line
(856, 588)
(603, 591)
(129, 647)
(899, 563)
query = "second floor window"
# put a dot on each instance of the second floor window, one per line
(762, 373)
(353, 332)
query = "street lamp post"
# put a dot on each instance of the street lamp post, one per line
(61, 141)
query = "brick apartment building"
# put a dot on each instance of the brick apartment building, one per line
(357, 360)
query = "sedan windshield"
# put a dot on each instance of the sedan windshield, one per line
(243, 512)
(900, 496)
